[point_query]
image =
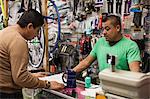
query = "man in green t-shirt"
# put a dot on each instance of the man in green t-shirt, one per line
(113, 43)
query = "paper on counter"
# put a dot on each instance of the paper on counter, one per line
(88, 93)
(92, 91)
(55, 77)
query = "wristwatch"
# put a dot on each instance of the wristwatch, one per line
(48, 84)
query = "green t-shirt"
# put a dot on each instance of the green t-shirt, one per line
(125, 50)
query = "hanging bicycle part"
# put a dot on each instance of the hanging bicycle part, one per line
(5, 17)
(36, 45)
(53, 20)
(36, 49)
(14, 11)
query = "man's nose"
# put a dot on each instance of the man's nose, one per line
(104, 32)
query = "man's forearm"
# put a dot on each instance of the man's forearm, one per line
(80, 67)
(84, 64)
(135, 66)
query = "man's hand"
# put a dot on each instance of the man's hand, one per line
(56, 86)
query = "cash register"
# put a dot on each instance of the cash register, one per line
(125, 84)
(121, 84)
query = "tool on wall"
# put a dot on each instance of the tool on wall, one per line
(75, 6)
(15, 10)
(4, 10)
(85, 44)
(22, 7)
(110, 5)
(127, 6)
(118, 6)
(146, 24)
(99, 3)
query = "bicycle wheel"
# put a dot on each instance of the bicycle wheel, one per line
(54, 26)
(36, 50)
(37, 45)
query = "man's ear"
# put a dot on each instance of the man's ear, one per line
(118, 28)
(30, 25)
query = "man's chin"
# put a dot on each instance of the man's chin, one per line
(30, 39)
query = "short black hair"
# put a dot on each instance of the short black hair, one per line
(31, 16)
(115, 20)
